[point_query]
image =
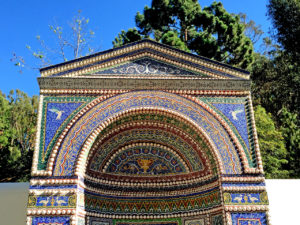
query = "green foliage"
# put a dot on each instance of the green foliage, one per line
(291, 133)
(126, 37)
(276, 78)
(276, 82)
(285, 15)
(17, 132)
(271, 144)
(211, 32)
(171, 38)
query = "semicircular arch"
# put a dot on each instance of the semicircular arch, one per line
(101, 113)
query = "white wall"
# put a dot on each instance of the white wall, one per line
(284, 197)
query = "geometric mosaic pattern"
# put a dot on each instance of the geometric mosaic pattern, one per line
(153, 206)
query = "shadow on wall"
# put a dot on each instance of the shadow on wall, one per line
(13, 203)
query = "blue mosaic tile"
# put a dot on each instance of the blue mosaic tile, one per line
(56, 115)
(242, 184)
(258, 218)
(51, 220)
(52, 187)
(236, 114)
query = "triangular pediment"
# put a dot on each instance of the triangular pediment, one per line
(147, 67)
(144, 59)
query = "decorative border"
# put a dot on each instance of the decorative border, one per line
(86, 92)
(142, 83)
(174, 215)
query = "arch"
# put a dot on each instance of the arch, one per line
(145, 192)
(102, 112)
(159, 129)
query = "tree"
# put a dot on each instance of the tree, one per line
(18, 114)
(70, 44)
(285, 15)
(276, 78)
(252, 30)
(211, 32)
(271, 144)
(291, 133)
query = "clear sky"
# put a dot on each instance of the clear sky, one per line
(22, 21)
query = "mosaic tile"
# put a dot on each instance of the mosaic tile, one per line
(69, 150)
(217, 220)
(255, 218)
(235, 111)
(152, 205)
(245, 198)
(146, 66)
(199, 221)
(52, 201)
(55, 220)
(57, 112)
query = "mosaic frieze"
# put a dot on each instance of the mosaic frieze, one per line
(138, 84)
(254, 218)
(52, 201)
(158, 205)
(245, 198)
(235, 111)
(134, 100)
(56, 113)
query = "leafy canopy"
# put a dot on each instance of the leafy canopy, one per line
(211, 32)
(271, 144)
(18, 114)
(285, 15)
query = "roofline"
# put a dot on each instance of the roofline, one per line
(152, 42)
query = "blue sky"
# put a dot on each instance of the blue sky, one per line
(22, 21)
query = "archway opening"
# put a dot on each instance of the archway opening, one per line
(152, 166)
